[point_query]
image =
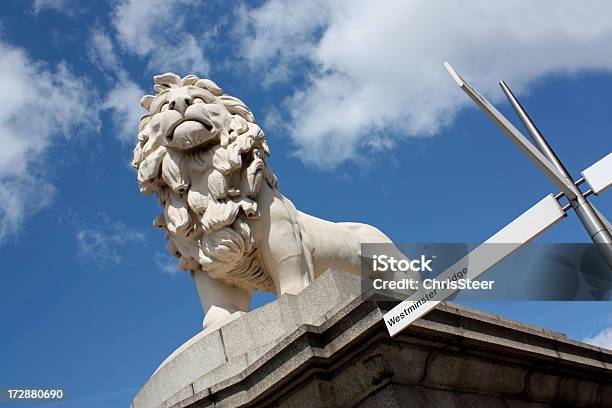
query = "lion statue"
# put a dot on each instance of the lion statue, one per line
(204, 156)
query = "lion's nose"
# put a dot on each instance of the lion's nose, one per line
(180, 103)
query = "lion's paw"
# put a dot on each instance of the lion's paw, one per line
(217, 317)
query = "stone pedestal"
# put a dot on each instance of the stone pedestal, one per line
(328, 347)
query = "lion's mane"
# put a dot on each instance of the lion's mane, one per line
(208, 192)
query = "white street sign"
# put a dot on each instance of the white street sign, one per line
(513, 236)
(599, 175)
(515, 135)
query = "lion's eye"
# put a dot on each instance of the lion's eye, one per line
(164, 107)
(198, 100)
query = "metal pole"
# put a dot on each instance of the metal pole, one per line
(584, 210)
(532, 152)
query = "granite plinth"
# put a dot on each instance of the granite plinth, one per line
(328, 347)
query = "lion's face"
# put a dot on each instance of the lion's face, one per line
(187, 117)
(204, 156)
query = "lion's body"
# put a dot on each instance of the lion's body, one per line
(204, 156)
(337, 245)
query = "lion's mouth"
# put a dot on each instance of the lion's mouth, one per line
(189, 132)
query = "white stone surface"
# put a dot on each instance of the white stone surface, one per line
(204, 156)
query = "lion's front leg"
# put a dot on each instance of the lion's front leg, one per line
(285, 258)
(280, 244)
(221, 302)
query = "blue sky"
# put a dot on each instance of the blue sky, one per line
(363, 122)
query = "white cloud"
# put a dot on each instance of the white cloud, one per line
(123, 99)
(283, 33)
(40, 106)
(124, 102)
(102, 243)
(183, 57)
(155, 30)
(101, 52)
(55, 5)
(603, 339)
(166, 263)
(374, 69)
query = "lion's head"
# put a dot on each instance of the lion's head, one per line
(204, 156)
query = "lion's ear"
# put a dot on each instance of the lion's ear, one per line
(210, 86)
(190, 80)
(237, 107)
(146, 101)
(167, 79)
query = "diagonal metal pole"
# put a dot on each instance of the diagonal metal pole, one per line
(513, 133)
(585, 211)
